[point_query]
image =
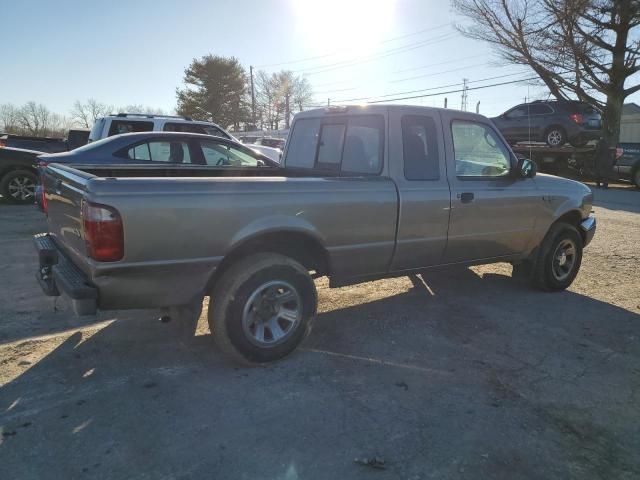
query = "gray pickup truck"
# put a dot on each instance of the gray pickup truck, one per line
(365, 193)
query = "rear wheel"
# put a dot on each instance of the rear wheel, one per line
(559, 258)
(555, 137)
(19, 186)
(262, 308)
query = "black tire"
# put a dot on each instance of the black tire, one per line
(231, 299)
(555, 137)
(19, 186)
(545, 275)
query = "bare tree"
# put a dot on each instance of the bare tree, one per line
(85, 114)
(9, 118)
(139, 108)
(582, 49)
(278, 94)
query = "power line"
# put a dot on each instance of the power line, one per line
(427, 89)
(302, 60)
(394, 51)
(456, 91)
(438, 73)
(435, 64)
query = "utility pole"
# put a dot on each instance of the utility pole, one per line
(478, 107)
(328, 102)
(253, 100)
(445, 102)
(465, 87)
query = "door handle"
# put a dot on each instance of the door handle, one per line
(466, 197)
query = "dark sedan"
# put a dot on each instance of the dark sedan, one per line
(164, 148)
(18, 174)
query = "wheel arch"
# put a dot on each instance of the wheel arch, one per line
(298, 244)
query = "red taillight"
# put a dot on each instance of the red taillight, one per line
(619, 152)
(3, 143)
(103, 232)
(577, 117)
(44, 198)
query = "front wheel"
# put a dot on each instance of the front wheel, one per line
(559, 258)
(262, 308)
(19, 186)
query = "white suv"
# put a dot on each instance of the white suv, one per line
(138, 122)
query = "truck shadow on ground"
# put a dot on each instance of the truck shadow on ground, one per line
(455, 340)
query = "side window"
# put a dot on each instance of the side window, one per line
(363, 150)
(478, 150)
(330, 148)
(301, 152)
(161, 151)
(139, 152)
(517, 112)
(127, 126)
(223, 155)
(539, 109)
(420, 148)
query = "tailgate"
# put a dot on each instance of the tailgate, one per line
(64, 189)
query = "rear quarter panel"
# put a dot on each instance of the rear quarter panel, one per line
(177, 230)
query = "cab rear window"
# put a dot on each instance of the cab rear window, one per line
(350, 145)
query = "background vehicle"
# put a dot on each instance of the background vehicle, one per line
(18, 174)
(274, 154)
(627, 165)
(367, 192)
(41, 144)
(552, 122)
(136, 122)
(162, 148)
(271, 142)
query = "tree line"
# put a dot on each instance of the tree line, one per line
(35, 119)
(216, 88)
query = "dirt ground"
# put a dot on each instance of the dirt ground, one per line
(461, 374)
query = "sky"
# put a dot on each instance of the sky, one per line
(135, 52)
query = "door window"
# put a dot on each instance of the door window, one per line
(223, 155)
(420, 148)
(539, 109)
(363, 145)
(517, 112)
(161, 151)
(479, 151)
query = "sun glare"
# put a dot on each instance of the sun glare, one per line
(343, 26)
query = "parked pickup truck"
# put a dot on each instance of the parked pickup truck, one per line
(365, 193)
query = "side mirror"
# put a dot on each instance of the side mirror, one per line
(526, 168)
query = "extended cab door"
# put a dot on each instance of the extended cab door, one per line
(416, 149)
(493, 211)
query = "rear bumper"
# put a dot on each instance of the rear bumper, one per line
(588, 229)
(57, 274)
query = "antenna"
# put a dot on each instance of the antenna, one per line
(465, 87)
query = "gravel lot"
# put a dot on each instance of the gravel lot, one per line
(463, 374)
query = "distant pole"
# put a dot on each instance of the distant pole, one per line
(478, 107)
(445, 102)
(253, 100)
(328, 102)
(463, 102)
